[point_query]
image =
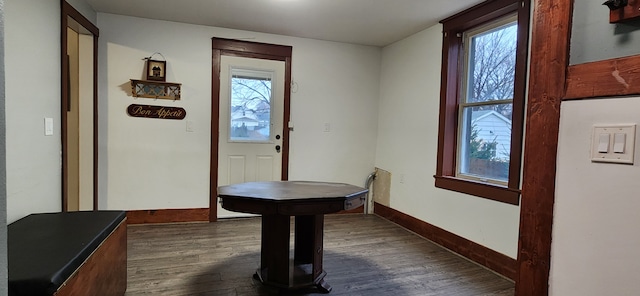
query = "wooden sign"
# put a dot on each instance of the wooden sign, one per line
(161, 112)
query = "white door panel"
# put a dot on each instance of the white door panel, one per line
(236, 169)
(251, 122)
(265, 169)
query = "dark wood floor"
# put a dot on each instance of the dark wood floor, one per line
(364, 255)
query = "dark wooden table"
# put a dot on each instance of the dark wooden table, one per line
(279, 200)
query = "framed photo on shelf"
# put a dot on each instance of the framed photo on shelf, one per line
(156, 70)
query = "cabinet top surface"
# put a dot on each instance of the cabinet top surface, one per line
(290, 190)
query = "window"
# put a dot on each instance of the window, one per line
(250, 106)
(482, 100)
(486, 102)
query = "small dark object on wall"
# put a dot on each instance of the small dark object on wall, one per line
(623, 11)
(156, 70)
(616, 4)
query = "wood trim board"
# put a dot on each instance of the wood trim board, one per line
(67, 11)
(168, 216)
(550, 39)
(482, 255)
(187, 215)
(607, 78)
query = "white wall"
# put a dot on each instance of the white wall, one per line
(407, 147)
(595, 237)
(156, 164)
(335, 83)
(593, 39)
(3, 163)
(32, 65)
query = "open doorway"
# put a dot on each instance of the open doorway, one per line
(79, 111)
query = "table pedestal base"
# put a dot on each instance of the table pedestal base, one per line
(275, 268)
(320, 284)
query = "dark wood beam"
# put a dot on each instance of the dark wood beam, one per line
(549, 59)
(607, 78)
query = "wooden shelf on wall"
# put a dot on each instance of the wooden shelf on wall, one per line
(155, 89)
(630, 12)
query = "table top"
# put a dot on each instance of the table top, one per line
(291, 190)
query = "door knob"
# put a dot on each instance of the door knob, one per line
(278, 148)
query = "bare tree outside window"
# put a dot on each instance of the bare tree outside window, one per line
(492, 67)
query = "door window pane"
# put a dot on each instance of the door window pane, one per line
(250, 113)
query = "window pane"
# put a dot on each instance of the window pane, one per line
(491, 62)
(485, 142)
(250, 106)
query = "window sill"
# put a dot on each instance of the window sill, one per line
(484, 190)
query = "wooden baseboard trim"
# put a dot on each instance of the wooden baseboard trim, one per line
(167, 216)
(482, 255)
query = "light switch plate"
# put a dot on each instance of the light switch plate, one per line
(613, 133)
(48, 126)
(189, 126)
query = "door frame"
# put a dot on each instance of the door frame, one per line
(69, 11)
(247, 49)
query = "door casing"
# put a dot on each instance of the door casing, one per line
(69, 12)
(245, 49)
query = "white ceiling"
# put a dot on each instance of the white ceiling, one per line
(368, 22)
